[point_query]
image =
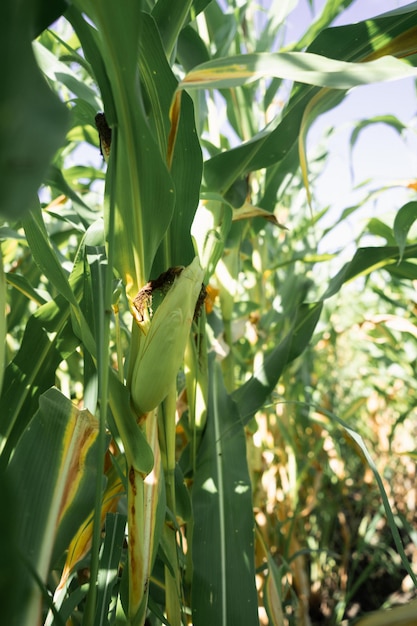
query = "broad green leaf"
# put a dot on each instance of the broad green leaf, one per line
(404, 270)
(404, 219)
(96, 262)
(378, 228)
(53, 471)
(33, 121)
(11, 568)
(302, 67)
(191, 49)
(221, 29)
(92, 304)
(90, 42)
(223, 582)
(55, 178)
(132, 435)
(198, 6)
(47, 13)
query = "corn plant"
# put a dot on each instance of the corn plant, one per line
(126, 398)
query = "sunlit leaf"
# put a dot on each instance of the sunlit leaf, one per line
(303, 67)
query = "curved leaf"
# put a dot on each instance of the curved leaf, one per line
(364, 262)
(389, 120)
(302, 67)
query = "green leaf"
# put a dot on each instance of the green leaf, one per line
(132, 435)
(60, 72)
(252, 395)
(110, 558)
(44, 255)
(191, 49)
(22, 284)
(302, 67)
(48, 335)
(404, 219)
(224, 590)
(389, 120)
(358, 440)
(25, 379)
(364, 262)
(378, 228)
(171, 16)
(53, 471)
(187, 164)
(48, 262)
(33, 122)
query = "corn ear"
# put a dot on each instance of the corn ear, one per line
(162, 350)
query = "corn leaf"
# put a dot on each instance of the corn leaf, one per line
(48, 262)
(109, 564)
(142, 181)
(186, 160)
(302, 67)
(404, 219)
(365, 261)
(52, 470)
(253, 394)
(224, 589)
(33, 121)
(24, 380)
